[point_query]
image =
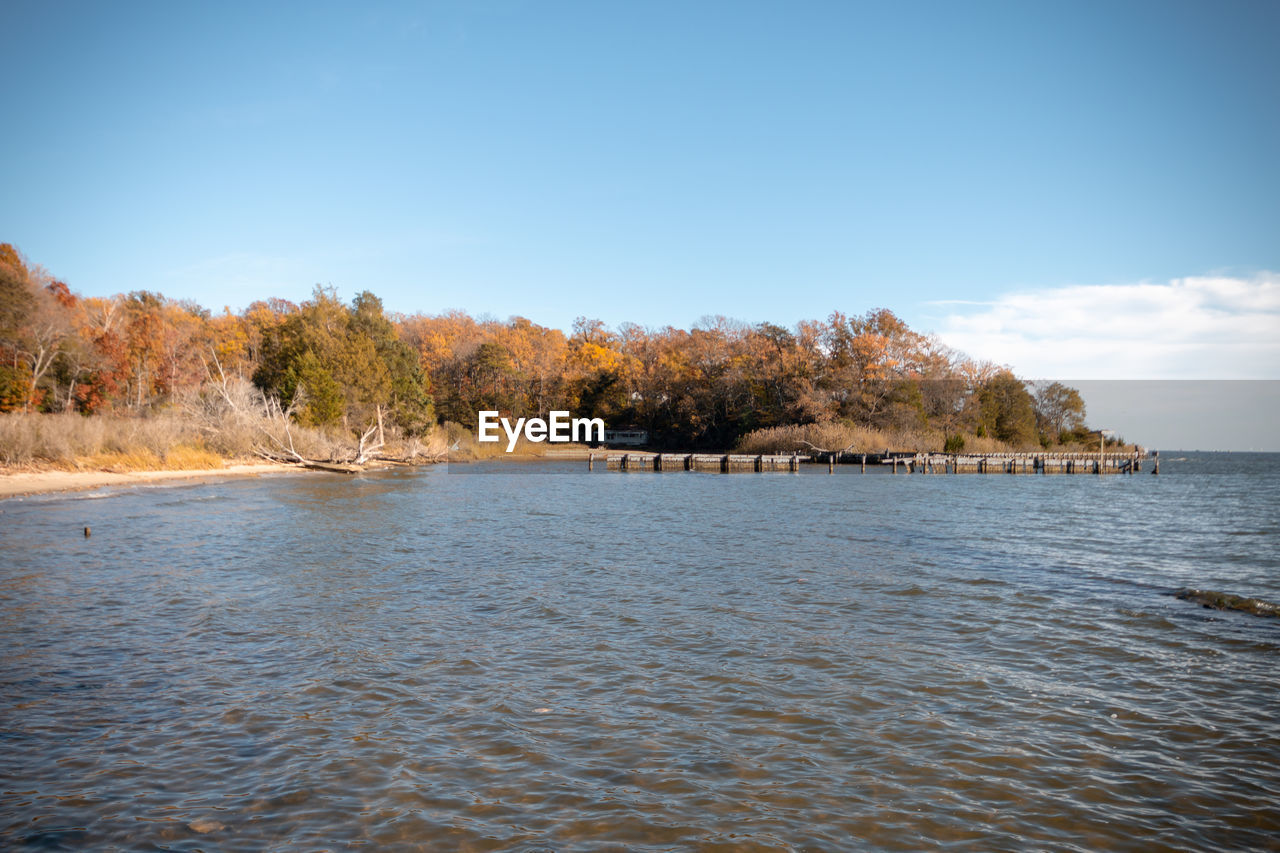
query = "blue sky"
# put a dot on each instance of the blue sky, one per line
(964, 164)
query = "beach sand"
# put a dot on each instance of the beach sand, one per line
(39, 482)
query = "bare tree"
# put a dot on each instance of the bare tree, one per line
(1058, 409)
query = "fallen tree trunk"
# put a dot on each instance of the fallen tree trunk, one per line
(1227, 601)
(331, 466)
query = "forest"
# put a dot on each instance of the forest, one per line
(340, 368)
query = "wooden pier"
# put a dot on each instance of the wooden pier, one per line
(722, 462)
(1022, 463)
(900, 462)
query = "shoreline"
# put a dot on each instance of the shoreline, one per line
(23, 483)
(26, 483)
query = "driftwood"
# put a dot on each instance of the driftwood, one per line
(285, 451)
(831, 454)
(364, 451)
(335, 468)
(272, 424)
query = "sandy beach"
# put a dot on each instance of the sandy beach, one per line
(19, 483)
(39, 482)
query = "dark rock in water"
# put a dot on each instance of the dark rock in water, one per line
(1226, 601)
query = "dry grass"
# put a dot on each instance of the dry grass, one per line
(834, 435)
(187, 458)
(71, 441)
(120, 462)
(208, 429)
(104, 442)
(422, 448)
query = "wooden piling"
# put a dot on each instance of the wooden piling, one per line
(920, 463)
(86, 533)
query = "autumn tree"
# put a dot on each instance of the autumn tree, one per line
(1059, 410)
(868, 356)
(16, 302)
(34, 324)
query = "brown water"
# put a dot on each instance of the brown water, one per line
(529, 657)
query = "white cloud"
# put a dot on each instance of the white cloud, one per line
(1206, 327)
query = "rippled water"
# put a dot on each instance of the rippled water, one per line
(535, 658)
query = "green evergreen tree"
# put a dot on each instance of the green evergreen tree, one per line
(1007, 410)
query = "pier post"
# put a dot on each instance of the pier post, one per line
(1155, 463)
(831, 464)
(864, 463)
(591, 462)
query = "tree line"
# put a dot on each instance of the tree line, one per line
(339, 365)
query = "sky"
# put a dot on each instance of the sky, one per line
(1083, 189)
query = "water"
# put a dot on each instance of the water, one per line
(528, 657)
